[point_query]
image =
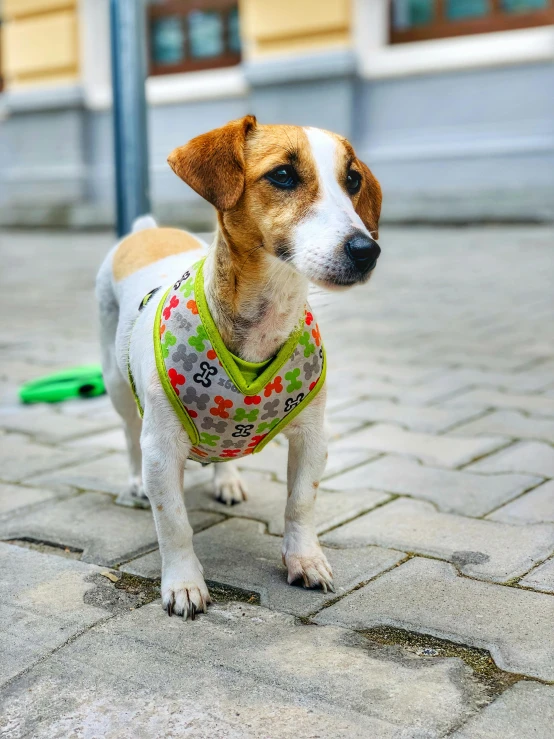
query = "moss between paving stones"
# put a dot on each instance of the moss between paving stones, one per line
(429, 647)
(149, 590)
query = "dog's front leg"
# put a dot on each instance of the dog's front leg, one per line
(302, 553)
(165, 447)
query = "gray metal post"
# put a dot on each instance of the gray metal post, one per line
(128, 45)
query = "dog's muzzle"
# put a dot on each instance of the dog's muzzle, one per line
(362, 251)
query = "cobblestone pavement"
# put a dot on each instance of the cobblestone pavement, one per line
(437, 514)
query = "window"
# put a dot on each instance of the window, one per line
(187, 35)
(418, 20)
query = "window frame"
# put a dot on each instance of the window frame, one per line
(178, 8)
(496, 20)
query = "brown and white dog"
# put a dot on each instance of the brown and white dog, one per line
(294, 205)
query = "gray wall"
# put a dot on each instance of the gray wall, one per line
(479, 141)
(454, 146)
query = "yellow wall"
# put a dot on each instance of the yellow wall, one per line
(39, 42)
(270, 27)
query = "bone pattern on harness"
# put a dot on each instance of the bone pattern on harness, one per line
(225, 417)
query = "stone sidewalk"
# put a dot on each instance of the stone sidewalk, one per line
(437, 514)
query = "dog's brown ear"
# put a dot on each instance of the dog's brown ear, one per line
(213, 163)
(368, 206)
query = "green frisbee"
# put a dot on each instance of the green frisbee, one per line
(78, 382)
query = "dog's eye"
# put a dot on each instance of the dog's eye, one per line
(353, 181)
(284, 177)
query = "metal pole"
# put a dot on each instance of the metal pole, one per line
(128, 46)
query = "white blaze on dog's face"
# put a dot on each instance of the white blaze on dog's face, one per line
(300, 192)
(331, 244)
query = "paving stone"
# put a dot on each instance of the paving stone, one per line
(527, 381)
(536, 506)
(541, 578)
(99, 408)
(362, 387)
(428, 597)
(454, 491)
(107, 441)
(267, 499)
(511, 424)
(413, 417)
(398, 372)
(534, 457)
(242, 671)
(45, 424)
(444, 451)
(524, 710)
(106, 533)
(21, 458)
(273, 459)
(13, 497)
(538, 404)
(108, 473)
(238, 553)
(483, 549)
(437, 389)
(41, 605)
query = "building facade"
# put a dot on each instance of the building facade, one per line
(449, 101)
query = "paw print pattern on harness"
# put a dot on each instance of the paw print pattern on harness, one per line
(275, 385)
(316, 335)
(270, 409)
(200, 401)
(198, 340)
(309, 348)
(168, 340)
(175, 379)
(241, 414)
(173, 303)
(265, 426)
(180, 281)
(207, 370)
(221, 408)
(209, 439)
(242, 430)
(229, 453)
(294, 382)
(181, 356)
(311, 368)
(293, 402)
(209, 424)
(187, 288)
(234, 443)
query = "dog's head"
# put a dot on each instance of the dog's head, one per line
(301, 192)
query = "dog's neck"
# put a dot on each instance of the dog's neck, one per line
(255, 300)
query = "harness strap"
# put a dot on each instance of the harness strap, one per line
(142, 305)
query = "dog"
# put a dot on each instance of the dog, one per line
(294, 206)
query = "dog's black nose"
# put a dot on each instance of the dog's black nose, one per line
(363, 251)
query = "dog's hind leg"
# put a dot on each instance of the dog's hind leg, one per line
(229, 486)
(121, 395)
(302, 553)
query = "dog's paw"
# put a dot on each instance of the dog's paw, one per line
(229, 486)
(134, 496)
(185, 596)
(312, 567)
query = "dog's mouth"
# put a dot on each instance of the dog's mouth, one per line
(345, 279)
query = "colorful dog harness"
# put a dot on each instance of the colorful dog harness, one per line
(229, 407)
